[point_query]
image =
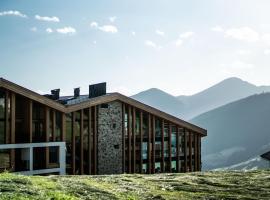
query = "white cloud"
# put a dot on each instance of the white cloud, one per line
(186, 35)
(33, 29)
(66, 30)
(47, 19)
(112, 19)
(243, 52)
(267, 52)
(95, 42)
(238, 65)
(243, 33)
(94, 24)
(151, 44)
(133, 33)
(108, 29)
(217, 29)
(159, 32)
(14, 13)
(179, 42)
(266, 38)
(104, 28)
(49, 30)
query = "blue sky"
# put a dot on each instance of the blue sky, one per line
(178, 46)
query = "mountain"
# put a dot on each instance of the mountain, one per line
(236, 132)
(161, 100)
(226, 91)
(251, 164)
(187, 107)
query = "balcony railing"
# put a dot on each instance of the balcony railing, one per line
(28, 150)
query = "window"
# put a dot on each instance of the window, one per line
(69, 138)
(58, 125)
(2, 117)
(38, 123)
(173, 141)
(144, 150)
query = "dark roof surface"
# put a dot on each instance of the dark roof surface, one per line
(266, 155)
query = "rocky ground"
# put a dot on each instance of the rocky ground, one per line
(205, 185)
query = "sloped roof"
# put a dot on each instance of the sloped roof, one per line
(87, 102)
(266, 155)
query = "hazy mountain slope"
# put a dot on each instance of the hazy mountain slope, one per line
(227, 91)
(251, 164)
(236, 131)
(161, 100)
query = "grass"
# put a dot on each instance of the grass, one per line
(204, 185)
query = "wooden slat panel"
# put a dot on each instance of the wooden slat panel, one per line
(149, 148)
(7, 125)
(129, 139)
(153, 144)
(170, 147)
(30, 120)
(141, 140)
(95, 139)
(47, 129)
(195, 152)
(81, 143)
(162, 145)
(133, 140)
(190, 151)
(63, 128)
(53, 125)
(12, 129)
(123, 139)
(177, 150)
(73, 143)
(89, 140)
(185, 138)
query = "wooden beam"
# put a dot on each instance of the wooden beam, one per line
(195, 153)
(141, 140)
(129, 139)
(153, 144)
(134, 140)
(81, 143)
(63, 128)
(89, 140)
(162, 145)
(12, 128)
(190, 151)
(177, 150)
(170, 147)
(149, 144)
(47, 136)
(30, 120)
(7, 117)
(95, 140)
(53, 125)
(199, 153)
(123, 139)
(185, 149)
(73, 144)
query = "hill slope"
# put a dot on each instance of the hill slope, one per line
(187, 107)
(227, 185)
(162, 101)
(236, 132)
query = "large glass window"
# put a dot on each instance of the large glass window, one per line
(77, 141)
(68, 141)
(144, 151)
(38, 123)
(173, 141)
(58, 125)
(86, 141)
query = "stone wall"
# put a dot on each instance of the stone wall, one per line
(110, 138)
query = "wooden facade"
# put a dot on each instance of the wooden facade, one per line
(152, 141)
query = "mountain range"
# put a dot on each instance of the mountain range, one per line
(235, 113)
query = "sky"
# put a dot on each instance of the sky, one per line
(181, 47)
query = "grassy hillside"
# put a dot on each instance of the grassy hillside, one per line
(208, 185)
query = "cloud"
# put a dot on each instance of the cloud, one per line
(108, 29)
(217, 29)
(94, 24)
(179, 42)
(49, 30)
(186, 35)
(133, 33)
(14, 13)
(243, 52)
(47, 19)
(243, 33)
(151, 44)
(112, 19)
(66, 30)
(266, 52)
(238, 66)
(33, 29)
(104, 28)
(161, 33)
(266, 38)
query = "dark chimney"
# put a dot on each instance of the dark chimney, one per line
(97, 90)
(76, 92)
(55, 94)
